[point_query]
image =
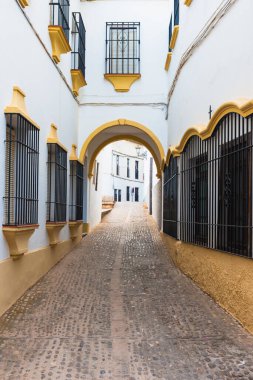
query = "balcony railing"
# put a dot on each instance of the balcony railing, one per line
(59, 15)
(79, 43)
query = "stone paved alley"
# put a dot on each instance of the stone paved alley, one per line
(116, 308)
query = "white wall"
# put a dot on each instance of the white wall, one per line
(48, 100)
(218, 71)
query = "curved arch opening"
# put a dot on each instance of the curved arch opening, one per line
(122, 129)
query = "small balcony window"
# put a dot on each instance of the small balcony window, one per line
(176, 12)
(76, 191)
(57, 183)
(21, 171)
(78, 48)
(122, 48)
(59, 15)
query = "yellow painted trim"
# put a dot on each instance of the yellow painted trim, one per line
(17, 238)
(188, 2)
(59, 42)
(168, 60)
(86, 228)
(78, 81)
(174, 36)
(243, 107)
(19, 275)
(73, 155)
(122, 122)
(124, 137)
(75, 229)
(122, 82)
(53, 137)
(53, 231)
(18, 105)
(23, 3)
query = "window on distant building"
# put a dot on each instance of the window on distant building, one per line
(59, 15)
(122, 48)
(128, 168)
(117, 165)
(76, 191)
(96, 180)
(128, 193)
(136, 196)
(21, 171)
(136, 169)
(56, 183)
(119, 195)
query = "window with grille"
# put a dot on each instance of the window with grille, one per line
(21, 171)
(170, 32)
(76, 191)
(78, 45)
(216, 188)
(59, 15)
(170, 207)
(176, 12)
(57, 183)
(123, 48)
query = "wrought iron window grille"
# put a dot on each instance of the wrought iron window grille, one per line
(78, 42)
(59, 15)
(76, 191)
(176, 12)
(216, 189)
(56, 183)
(170, 198)
(122, 48)
(21, 172)
(170, 32)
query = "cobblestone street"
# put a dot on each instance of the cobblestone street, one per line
(116, 308)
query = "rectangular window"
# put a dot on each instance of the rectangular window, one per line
(128, 168)
(200, 186)
(21, 171)
(117, 165)
(235, 196)
(136, 197)
(76, 191)
(170, 205)
(59, 15)
(78, 48)
(122, 48)
(97, 173)
(57, 183)
(136, 169)
(176, 12)
(115, 195)
(119, 195)
(170, 32)
(128, 193)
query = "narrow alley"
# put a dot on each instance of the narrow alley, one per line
(117, 308)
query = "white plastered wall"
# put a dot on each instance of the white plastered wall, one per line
(218, 71)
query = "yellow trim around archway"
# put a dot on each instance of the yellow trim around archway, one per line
(243, 107)
(124, 137)
(119, 123)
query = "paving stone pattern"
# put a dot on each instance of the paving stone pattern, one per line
(116, 308)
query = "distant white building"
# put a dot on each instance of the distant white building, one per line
(127, 173)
